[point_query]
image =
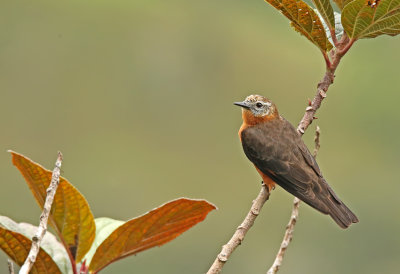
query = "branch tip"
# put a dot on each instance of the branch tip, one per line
(59, 156)
(42, 228)
(10, 266)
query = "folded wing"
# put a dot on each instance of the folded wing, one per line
(278, 151)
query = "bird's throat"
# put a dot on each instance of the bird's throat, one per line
(250, 120)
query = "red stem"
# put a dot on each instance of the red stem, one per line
(334, 38)
(346, 47)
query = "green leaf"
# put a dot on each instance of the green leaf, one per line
(371, 18)
(342, 3)
(104, 227)
(326, 11)
(155, 228)
(15, 241)
(304, 20)
(70, 213)
(338, 27)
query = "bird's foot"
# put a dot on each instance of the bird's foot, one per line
(269, 187)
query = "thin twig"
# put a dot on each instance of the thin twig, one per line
(343, 46)
(287, 238)
(10, 266)
(316, 141)
(333, 36)
(240, 232)
(37, 238)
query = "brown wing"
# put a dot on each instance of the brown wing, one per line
(279, 152)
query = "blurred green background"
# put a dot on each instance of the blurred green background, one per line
(138, 97)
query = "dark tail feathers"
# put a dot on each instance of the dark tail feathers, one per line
(339, 212)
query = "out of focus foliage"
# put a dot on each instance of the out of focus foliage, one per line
(108, 240)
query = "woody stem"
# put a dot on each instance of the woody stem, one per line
(240, 232)
(336, 55)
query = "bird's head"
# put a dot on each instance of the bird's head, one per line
(257, 109)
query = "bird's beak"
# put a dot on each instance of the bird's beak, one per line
(242, 104)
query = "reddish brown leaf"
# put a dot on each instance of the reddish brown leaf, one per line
(70, 214)
(155, 228)
(304, 20)
(17, 247)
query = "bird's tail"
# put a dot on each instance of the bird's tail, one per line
(339, 212)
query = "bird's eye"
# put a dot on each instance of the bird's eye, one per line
(259, 105)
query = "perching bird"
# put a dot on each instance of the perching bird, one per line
(279, 154)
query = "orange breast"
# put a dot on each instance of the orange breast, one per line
(266, 179)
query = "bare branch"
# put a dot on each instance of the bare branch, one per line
(10, 266)
(287, 238)
(336, 55)
(37, 238)
(240, 232)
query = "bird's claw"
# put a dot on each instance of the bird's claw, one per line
(267, 186)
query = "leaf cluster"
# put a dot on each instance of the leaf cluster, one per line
(359, 19)
(84, 241)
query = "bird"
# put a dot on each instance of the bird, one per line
(281, 157)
